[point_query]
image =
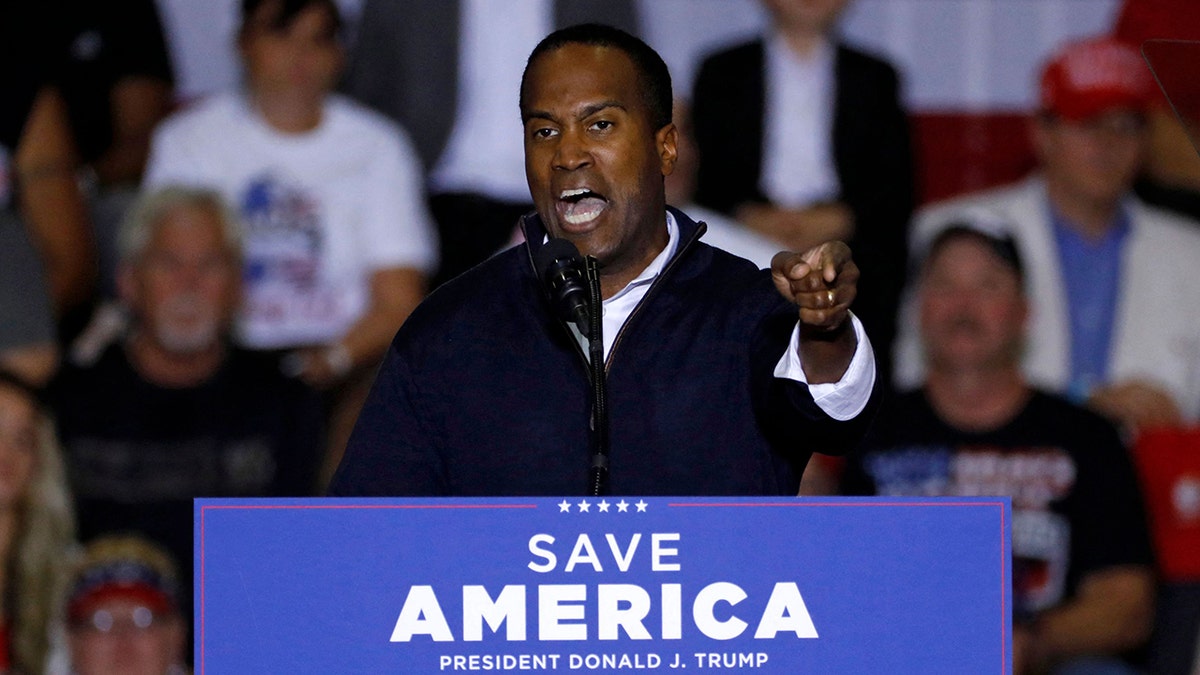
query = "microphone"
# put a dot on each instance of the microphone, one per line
(560, 268)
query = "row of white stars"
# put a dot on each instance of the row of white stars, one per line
(584, 506)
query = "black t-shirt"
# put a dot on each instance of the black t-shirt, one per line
(82, 47)
(30, 58)
(1076, 504)
(105, 42)
(137, 453)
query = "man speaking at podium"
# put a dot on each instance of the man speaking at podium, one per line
(721, 379)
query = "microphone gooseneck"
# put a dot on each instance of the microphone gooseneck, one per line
(599, 469)
(573, 285)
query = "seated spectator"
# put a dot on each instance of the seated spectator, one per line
(1083, 580)
(36, 529)
(723, 231)
(123, 610)
(117, 86)
(1115, 298)
(803, 139)
(338, 241)
(46, 252)
(171, 410)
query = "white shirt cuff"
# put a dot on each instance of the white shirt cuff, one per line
(846, 398)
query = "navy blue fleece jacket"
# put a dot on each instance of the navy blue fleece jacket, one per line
(485, 392)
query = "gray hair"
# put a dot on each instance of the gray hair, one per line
(147, 214)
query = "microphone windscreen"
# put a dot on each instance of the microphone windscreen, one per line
(551, 251)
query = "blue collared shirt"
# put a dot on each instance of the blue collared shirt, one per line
(1092, 278)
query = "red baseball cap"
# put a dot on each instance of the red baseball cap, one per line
(1090, 77)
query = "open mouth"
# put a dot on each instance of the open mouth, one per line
(580, 206)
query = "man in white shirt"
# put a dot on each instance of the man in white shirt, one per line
(339, 243)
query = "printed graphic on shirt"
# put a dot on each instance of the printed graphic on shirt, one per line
(1035, 478)
(284, 243)
(132, 471)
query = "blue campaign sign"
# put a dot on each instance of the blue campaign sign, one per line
(589, 585)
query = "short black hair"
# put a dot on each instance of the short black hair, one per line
(655, 78)
(287, 11)
(1003, 247)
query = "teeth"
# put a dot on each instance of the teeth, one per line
(584, 215)
(573, 193)
(581, 218)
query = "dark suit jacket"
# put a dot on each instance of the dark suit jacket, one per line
(872, 152)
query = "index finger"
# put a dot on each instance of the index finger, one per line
(831, 259)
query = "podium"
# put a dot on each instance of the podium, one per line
(603, 585)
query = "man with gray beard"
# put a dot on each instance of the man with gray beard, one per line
(171, 410)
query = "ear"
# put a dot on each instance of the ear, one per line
(667, 142)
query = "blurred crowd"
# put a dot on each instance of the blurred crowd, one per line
(196, 290)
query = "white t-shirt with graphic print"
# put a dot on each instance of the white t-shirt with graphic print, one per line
(321, 210)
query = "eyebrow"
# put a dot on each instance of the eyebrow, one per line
(597, 107)
(587, 111)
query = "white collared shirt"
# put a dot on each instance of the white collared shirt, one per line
(485, 153)
(841, 400)
(797, 163)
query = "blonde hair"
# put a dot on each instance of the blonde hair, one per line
(38, 565)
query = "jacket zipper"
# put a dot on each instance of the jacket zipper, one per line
(701, 228)
(683, 249)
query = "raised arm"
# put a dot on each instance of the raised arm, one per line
(821, 282)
